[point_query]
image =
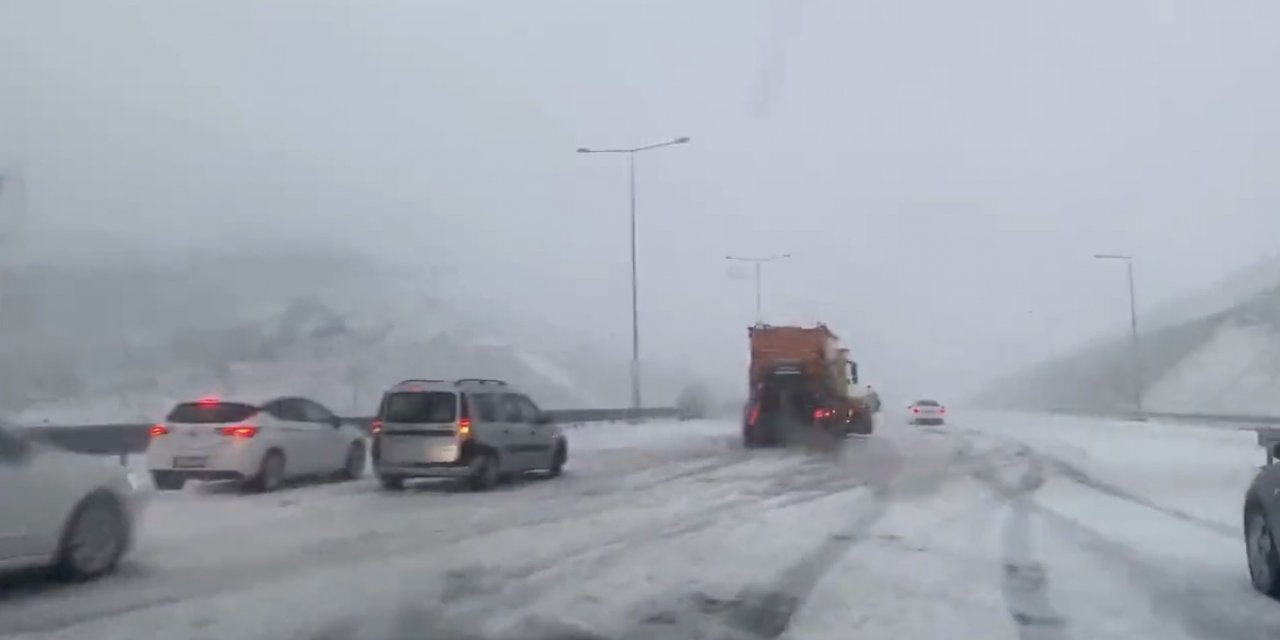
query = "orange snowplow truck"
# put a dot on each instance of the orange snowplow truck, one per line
(800, 380)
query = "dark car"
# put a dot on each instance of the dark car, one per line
(1262, 521)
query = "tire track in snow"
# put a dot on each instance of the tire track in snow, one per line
(1079, 476)
(758, 612)
(1203, 608)
(512, 588)
(765, 612)
(600, 552)
(140, 586)
(1025, 581)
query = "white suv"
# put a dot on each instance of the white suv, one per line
(259, 445)
(475, 429)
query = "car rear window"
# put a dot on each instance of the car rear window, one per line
(211, 412)
(419, 407)
(927, 403)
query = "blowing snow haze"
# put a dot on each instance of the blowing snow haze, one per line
(941, 172)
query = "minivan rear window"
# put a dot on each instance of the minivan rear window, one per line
(211, 412)
(420, 407)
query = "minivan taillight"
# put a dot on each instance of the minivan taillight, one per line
(464, 428)
(241, 431)
(158, 430)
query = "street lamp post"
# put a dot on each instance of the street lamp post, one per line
(1133, 327)
(635, 297)
(757, 262)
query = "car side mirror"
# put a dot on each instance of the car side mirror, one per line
(543, 418)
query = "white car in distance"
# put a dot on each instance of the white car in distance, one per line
(73, 512)
(258, 445)
(927, 412)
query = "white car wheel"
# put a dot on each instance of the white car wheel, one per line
(271, 473)
(94, 541)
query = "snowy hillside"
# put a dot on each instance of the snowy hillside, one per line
(124, 342)
(1225, 360)
(1236, 370)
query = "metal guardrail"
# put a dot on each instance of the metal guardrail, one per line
(131, 438)
(1214, 417)
(1267, 428)
(1225, 418)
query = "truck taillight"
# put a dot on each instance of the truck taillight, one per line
(755, 415)
(376, 426)
(240, 431)
(158, 430)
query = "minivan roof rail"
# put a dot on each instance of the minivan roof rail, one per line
(500, 383)
(416, 380)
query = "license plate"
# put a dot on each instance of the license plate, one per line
(189, 462)
(443, 453)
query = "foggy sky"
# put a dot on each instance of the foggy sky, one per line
(942, 171)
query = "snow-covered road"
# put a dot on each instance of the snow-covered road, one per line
(1000, 526)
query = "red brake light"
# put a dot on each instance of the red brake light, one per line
(915, 409)
(755, 415)
(158, 430)
(942, 409)
(819, 414)
(242, 431)
(464, 428)
(208, 400)
(376, 426)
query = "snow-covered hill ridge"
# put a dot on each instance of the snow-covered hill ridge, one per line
(124, 343)
(1224, 361)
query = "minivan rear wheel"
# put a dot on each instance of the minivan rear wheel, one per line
(168, 480)
(557, 462)
(486, 474)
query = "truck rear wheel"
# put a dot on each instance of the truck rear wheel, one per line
(863, 426)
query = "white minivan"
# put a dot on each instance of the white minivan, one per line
(475, 429)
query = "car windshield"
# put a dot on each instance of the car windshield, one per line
(211, 412)
(420, 407)
(927, 403)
